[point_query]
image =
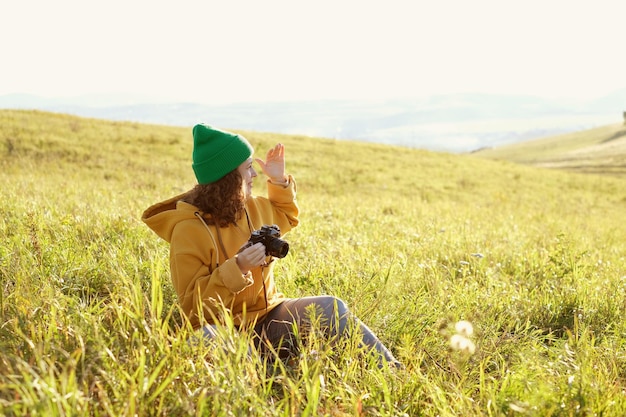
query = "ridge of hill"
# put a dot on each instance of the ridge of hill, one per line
(601, 150)
(155, 160)
(455, 123)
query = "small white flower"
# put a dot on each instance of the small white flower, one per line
(464, 328)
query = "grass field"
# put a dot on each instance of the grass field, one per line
(413, 241)
(600, 150)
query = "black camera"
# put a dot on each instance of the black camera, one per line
(269, 236)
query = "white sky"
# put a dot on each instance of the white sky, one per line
(212, 51)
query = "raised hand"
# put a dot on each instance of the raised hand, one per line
(274, 164)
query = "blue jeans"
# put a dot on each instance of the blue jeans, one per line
(276, 329)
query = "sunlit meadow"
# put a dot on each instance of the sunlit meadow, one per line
(502, 288)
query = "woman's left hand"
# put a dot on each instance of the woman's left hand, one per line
(274, 164)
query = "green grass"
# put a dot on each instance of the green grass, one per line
(412, 240)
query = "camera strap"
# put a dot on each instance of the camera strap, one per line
(250, 226)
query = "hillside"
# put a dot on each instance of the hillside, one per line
(601, 150)
(414, 241)
(154, 160)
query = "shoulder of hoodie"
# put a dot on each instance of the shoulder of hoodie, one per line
(258, 203)
(185, 221)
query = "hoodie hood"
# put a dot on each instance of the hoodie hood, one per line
(162, 217)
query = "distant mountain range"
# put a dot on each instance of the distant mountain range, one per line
(452, 123)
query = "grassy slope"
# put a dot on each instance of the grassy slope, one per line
(599, 150)
(412, 240)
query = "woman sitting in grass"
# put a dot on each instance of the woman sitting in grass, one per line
(215, 266)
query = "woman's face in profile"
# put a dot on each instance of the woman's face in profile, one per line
(247, 172)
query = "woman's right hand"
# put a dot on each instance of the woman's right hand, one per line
(250, 257)
(274, 164)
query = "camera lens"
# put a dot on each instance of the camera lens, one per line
(278, 248)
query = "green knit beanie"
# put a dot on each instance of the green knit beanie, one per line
(217, 152)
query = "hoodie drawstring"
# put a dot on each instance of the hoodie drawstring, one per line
(217, 263)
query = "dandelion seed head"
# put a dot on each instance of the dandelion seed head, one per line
(464, 328)
(462, 344)
(468, 347)
(455, 341)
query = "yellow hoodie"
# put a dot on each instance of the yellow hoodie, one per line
(204, 277)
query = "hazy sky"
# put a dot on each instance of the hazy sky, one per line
(214, 51)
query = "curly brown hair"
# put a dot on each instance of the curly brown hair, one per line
(223, 199)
